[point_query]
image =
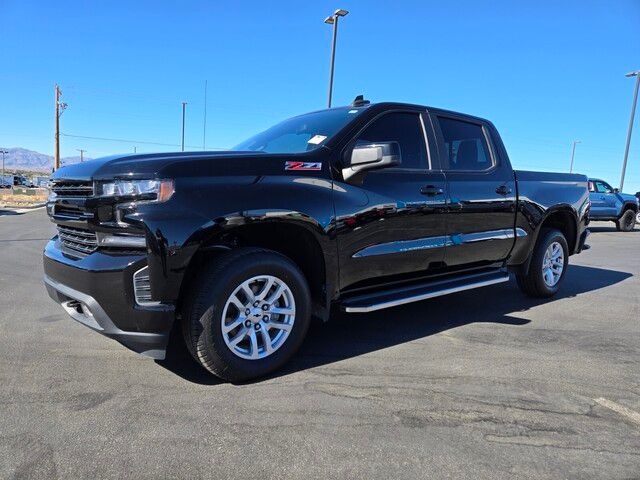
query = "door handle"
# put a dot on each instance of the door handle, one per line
(431, 190)
(503, 190)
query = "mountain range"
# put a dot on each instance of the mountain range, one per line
(22, 159)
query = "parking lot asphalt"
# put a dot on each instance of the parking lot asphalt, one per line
(480, 384)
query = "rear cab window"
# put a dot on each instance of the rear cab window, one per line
(465, 145)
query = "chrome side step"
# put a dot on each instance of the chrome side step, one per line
(393, 298)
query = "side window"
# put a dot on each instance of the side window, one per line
(465, 146)
(404, 128)
(592, 187)
(602, 187)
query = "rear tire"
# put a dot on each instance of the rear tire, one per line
(217, 300)
(549, 262)
(626, 222)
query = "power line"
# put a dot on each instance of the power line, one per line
(122, 140)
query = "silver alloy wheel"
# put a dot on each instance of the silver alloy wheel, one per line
(553, 264)
(638, 217)
(258, 317)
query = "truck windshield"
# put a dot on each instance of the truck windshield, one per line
(300, 134)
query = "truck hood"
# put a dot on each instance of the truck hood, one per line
(169, 165)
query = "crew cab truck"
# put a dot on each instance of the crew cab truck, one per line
(361, 208)
(609, 205)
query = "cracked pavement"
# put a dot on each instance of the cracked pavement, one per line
(480, 384)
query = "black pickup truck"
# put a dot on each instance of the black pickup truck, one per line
(361, 208)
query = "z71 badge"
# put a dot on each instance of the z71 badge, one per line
(303, 165)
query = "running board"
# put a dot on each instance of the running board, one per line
(393, 298)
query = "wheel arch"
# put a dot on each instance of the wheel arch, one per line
(561, 217)
(628, 206)
(292, 234)
(564, 219)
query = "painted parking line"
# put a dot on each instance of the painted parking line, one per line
(621, 409)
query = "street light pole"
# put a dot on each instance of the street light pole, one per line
(184, 107)
(333, 20)
(573, 152)
(633, 114)
(81, 150)
(3, 152)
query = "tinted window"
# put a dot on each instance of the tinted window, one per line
(404, 128)
(602, 187)
(465, 146)
(302, 133)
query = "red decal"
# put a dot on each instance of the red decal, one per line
(303, 165)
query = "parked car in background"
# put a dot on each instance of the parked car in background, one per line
(9, 181)
(609, 205)
(40, 181)
(6, 181)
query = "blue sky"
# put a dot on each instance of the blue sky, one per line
(544, 72)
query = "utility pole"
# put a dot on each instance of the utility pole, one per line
(333, 20)
(184, 107)
(135, 149)
(633, 114)
(60, 107)
(3, 152)
(573, 152)
(81, 154)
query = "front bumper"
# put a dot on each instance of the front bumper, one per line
(97, 291)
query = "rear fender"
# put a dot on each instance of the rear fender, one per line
(565, 209)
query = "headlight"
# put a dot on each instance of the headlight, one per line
(158, 190)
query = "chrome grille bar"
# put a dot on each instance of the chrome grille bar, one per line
(73, 189)
(79, 240)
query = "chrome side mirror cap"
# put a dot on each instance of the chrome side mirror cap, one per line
(372, 156)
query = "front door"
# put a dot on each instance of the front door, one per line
(603, 199)
(481, 193)
(391, 226)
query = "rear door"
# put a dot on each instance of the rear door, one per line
(481, 192)
(391, 225)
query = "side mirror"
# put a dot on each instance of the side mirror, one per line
(372, 156)
(616, 190)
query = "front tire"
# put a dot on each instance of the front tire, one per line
(549, 262)
(246, 313)
(626, 222)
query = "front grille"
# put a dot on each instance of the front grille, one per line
(78, 240)
(66, 188)
(70, 211)
(142, 287)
